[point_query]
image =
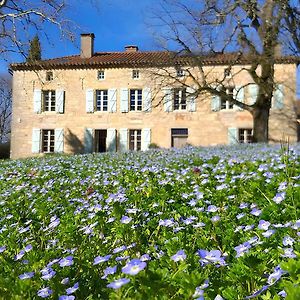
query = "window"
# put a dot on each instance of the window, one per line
(101, 75)
(225, 103)
(135, 139)
(101, 100)
(179, 99)
(49, 100)
(135, 74)
(136, 100)
(179, 137)
(48, 138)
(49, 76)
(180, 73)
(245, 135)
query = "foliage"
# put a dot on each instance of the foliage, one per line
(222, 223)
(35, 52)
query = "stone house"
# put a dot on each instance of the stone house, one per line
(119, 101)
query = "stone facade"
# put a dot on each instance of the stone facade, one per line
(72, 119)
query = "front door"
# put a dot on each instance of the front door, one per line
(100, 140)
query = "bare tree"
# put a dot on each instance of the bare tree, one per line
(5, 108)
(22, 19)
(254, 30)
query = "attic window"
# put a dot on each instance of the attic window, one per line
(227, 72)
(101, 75)
(49, 76)
(180, 73)
(135, 74)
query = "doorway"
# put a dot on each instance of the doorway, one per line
(100, 140)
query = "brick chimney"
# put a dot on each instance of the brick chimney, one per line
(131, 48)
(87, 45)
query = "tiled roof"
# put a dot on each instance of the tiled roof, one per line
(140, 59)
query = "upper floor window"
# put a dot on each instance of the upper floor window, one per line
(135, 139)
(180, 73)
(135, 74)
(245, 135)
(136, 100)
(49, 100)
(49, 75)
(101, 75)
(225, 103)
(179, 96)
(101, 100)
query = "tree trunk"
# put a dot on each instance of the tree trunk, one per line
(261, 124)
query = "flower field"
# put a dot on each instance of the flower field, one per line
(196, 223)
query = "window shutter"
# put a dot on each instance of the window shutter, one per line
(167, 99)
(239, 95)
(111, 140)
(89, 100)
(253, 93)
(147, 99)
(123, 139)
(146, 139)
(233, 136)
(59, 140)
(59, 101)
(88, 140)
(112, 100)
(278, 99)
(124, 100)
(191, 99)
(37, 101)
(36, 140)
(215, 103)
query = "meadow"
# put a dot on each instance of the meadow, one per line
(195, 223)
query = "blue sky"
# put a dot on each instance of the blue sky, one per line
(115, 23)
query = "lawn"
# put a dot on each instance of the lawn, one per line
(196, 223)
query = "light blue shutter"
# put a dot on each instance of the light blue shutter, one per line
(167, 99)
(36, 140)
(59, 140)
(88, 140)
(112, 100)
(59, 101)
(233, 137)
(124, 100)
(253, 93)
(37, 101)
(191, 99)
(239, 95)
(111, 140)
(123, 139)
(278, 99)
(215, 103)
(90, 100)
(146, 139)
(147, 99)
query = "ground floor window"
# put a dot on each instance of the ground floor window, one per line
(100, 140)
(135, 139)
(48, 140)
(245, 135)
(179, 137)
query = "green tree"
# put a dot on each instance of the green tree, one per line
(35, 52)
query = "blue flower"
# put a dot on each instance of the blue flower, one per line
(126, 220)
(279, 197)
(26, 275)
(72, 289)
(100, 259)
(66, 262)
(66, 297)
(2, 249)
(134, 266)
(109, 271)
(118, 283)
(242, 249)
(263, 225)
(179, 256)
(213, 256)
(44, 293)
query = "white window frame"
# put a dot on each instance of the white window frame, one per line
(247, 134)
(135, 139)
(48, 141)
(180, 72)
(101, 75)
(51, 106)
(136, 106)
(224, 103)
(182, 106)
(101, 107)
(135, 74)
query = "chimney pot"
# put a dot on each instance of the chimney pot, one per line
(131, 48)
(87, 45)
